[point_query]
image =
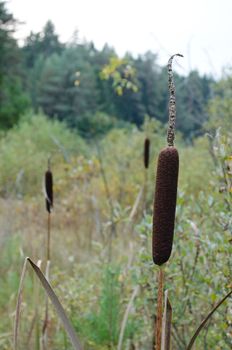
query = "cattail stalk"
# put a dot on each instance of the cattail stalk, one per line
(145, 191)
(49, 206)
(166, 184)
(165, 201)
(48, 236)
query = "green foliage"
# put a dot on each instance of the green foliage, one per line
(198, 160)
(13, 100)
(104, 325)
(121, 73)
(96, 295)
(25, 149)
(198, 274)
(152, 86)
(43, 44)
(219, 106)
(9, 280)
(91, 126)
(67, 86)
(193, 93)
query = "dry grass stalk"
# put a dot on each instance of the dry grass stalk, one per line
(166, 323)
(125, 317)
(158, 326)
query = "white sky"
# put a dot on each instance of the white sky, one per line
(199, 29)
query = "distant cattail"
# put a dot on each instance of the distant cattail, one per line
(165, 204)
(146, 155)
(49, 190)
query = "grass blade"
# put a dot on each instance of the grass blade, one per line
(58, 307)
(55, 301)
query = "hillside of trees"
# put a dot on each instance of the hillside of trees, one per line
(90, 89)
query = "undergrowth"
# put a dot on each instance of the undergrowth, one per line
(94, 292)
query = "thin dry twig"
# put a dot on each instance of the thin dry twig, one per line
(136, 205)
(203, 323)
(126, 315)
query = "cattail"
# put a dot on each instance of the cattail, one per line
(146, 155)
(49, 190)
(165, 204)
(166, 185)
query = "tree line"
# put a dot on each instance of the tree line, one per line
(90, 89)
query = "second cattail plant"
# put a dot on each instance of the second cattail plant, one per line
(146, 155)
(49, 203)
(49, 190)
(146, 160)
(165, 201)
(48, 179)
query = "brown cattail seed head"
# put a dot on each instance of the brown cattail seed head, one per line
(49, 190)
(165, 204)
(146, 155)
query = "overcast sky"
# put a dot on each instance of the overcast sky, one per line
(199, 29)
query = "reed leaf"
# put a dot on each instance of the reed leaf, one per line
(55, 301)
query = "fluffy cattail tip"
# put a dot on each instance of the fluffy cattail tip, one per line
(146, 152)
(165, 204)
(49, 190)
